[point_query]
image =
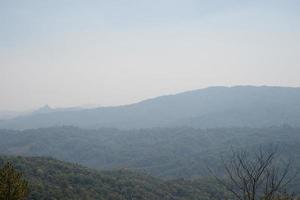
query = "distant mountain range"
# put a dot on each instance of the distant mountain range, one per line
(11, 114)
(240, 106)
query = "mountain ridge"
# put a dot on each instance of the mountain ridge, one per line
(54, 179)
(164, 152)
(219, 106)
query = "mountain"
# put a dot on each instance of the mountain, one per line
(53, 179)
(9, 114)
(240, 106)
(164, 152)
(44, 109)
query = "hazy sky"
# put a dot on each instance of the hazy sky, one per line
(68, 53)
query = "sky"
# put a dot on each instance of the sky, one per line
(68, 53)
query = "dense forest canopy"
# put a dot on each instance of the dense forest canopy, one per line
(53, 179)
(164, 152)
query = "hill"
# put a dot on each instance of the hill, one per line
(53, 179)
(241, 106)
(163, 152)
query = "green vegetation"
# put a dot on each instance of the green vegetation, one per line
(167, 153)
(12, 185)
(52, 179)
(178, 156)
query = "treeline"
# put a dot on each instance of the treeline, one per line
(167, 153)
(52, 179)
(247, 175)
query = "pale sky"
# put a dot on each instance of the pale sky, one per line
(82, 52)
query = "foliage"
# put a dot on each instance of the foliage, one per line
(52, 179)
(12, 185)
(167, 153)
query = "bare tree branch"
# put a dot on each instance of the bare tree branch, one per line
(255, 175)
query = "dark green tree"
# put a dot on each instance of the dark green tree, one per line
(12, 184)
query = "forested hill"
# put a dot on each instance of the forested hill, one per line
(163, 152)
(52, 179)
(206, 108)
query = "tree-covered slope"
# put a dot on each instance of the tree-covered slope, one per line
(163, 152)
(206, 108)
(51, 179)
